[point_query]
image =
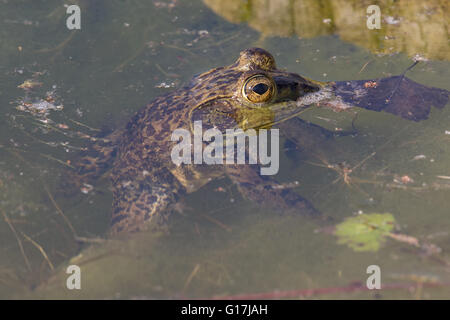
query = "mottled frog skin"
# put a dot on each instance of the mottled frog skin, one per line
(250, 93)
(146, 183)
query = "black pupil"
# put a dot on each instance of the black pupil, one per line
(260, 88)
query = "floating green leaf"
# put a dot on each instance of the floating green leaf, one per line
(365, 232)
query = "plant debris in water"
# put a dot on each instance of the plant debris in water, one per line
(35, 104)
(40, 107)
(365, 232)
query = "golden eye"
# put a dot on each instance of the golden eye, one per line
(258, 89)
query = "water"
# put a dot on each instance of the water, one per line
(129, 52)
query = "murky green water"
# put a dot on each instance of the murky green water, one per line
(129, 52)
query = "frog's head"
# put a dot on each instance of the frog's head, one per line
(250, 93)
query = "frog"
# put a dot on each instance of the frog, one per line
(250, 94)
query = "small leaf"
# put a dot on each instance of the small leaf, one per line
(365, 232)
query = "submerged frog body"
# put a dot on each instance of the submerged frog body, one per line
(249, 94)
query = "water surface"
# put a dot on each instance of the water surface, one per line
(129, 52)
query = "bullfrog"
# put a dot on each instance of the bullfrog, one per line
(251, 93)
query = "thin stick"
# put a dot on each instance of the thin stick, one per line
(191, 276)
(120, 67)
(60, 211)
(365, 65)
(90, 240)
(27, 262)
(41, 250)
(58, 47)
(218, 43)
(57, 160)
(220, 224)
(356, 166)
(84, 125)
(139, 50)
(162, 71)
(178, 48)
(411, 66)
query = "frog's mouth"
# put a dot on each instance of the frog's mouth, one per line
(323, 97)
(224, 114)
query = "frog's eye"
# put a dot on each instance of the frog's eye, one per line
(258, 89)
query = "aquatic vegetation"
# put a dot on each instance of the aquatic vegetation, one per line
(365, 232)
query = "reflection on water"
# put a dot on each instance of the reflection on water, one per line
(412, 27)
(130, 52)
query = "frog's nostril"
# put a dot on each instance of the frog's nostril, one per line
(260, 88)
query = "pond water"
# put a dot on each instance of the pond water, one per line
(60, 89)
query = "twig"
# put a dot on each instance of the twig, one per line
(220, 224)
(168, 75)
(191, 276)
(59, 46)
(364, 66)
(57, 160)
(27, 262)
(39, 247)
(90, 240)
(60, 211)
(84, 125)
(139, 50)
(178, 48)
